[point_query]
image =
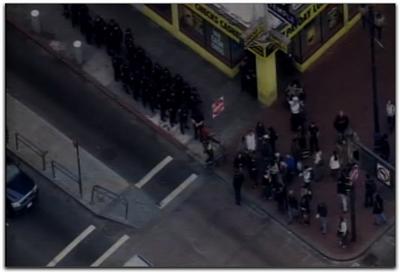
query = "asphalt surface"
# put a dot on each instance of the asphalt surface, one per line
(36, 236)
(206, 229)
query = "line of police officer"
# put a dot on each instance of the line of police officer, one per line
(152, 84)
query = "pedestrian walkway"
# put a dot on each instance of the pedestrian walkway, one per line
(241, 111)
(101, 187)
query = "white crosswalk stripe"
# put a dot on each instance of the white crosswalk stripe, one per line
(71, 246)
(178, 190)
(153, 172)
(110, 251)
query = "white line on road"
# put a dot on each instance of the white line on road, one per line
(110, 251)
(153, 172)
(178, 190)
(71, 246)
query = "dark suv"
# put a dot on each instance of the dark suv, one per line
(21, 190)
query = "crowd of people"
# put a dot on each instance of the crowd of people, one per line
(276, 174)
(154, 85)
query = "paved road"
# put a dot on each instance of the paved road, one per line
(34, 238)
(205, 229)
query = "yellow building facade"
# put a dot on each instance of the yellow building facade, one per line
(220, 40)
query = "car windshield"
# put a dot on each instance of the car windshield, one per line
(12, 172)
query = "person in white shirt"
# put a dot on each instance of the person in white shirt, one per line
(295, 110)
(342, 232)
(334, 164)
(250, 141)
(390, 113)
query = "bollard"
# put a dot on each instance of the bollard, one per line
(78, 51)
(35, 21)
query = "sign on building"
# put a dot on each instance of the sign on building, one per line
(383, 174)
(218, 107)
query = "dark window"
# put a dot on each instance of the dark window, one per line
(353, 10)
(210, 38)
(332, 21)
(164, 10)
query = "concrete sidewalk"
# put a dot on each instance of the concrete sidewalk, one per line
(31, 128)
(241, 112)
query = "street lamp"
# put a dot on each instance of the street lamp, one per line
(374, 21)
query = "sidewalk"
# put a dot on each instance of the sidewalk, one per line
(141, 209)
(241, 111)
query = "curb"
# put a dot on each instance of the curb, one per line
(79, 201)
(253, 205)
(94, 82)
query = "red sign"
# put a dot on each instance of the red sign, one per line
(218, 107)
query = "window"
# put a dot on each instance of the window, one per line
(353, 10)
(210, 38)
(164, 10)
(311, 38)
(192, 24)
(332, 21)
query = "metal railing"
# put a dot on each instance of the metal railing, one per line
(21, 139)
(57, 166)
(111, 195)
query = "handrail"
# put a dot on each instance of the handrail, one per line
(58, 166)
(111, 195)
(20, 138)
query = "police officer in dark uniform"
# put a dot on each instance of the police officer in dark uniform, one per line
(99, 31)
(117, 38)
(163, 103)
(128, 37)
(238, 179)
(172, 108)
(136, 84)
(83, 17)
(74, 14)
(183, 115)
(117, 62)
(109, 36)
(87, 26)
(125, 71)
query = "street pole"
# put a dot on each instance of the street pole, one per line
(371, 23)
(78, 159)
(353, 214)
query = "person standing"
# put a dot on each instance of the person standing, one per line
(98, 31)
(183, 118)
(342, 232)
(314, 137)
(253, 170)
(342, 194)
(198, 122)
(273, 138)
(293, 207)
(378, 210)
(322, 214)
(384, 147)
(390, 114)
(295, 110)
(370, 189)
(239, 162)
(238, 179)
(305, 209)
(117, 63)
(250, 142)
(318, 166)
(334, 165)
(341, 124)
(260, 131)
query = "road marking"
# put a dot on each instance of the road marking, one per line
(71, 246)
(153, 172)
(178, 190)
(137, 261)
(110, 251)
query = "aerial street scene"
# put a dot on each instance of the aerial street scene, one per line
(200, 135)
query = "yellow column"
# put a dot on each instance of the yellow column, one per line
(266, 79)
(175, 17)
(345, 13)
